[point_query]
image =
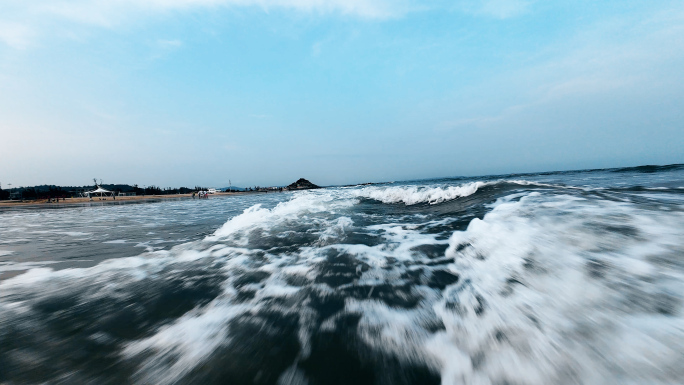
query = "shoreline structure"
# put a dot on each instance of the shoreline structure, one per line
(301, 184)
(84, 201)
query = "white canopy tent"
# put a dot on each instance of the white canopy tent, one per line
(99, 192)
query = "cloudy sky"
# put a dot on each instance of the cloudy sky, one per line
(262, 92)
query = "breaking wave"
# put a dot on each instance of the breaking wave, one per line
(413, 195)
(534, 284)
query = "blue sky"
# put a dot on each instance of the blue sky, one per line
(262, 92)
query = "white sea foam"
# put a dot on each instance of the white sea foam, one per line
(179, 347)
(16, 240)
(292, 210)
(69, 233)
(557, 290)
(552, 288)
(19, 266)
(412, 195)
(116, 241)
(76, 233)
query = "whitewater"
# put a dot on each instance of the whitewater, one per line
(552, 278)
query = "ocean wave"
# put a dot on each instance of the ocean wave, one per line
(545, 287)
(413, 195)
(648, 169)
(300, 206)
(578, 284)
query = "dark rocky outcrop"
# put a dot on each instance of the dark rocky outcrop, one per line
(302, 184)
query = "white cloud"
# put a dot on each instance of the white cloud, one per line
(635, 58)
(112, 12)
(25, 20)
(259, 116)
(169, 44)
(499, 9)
(28, 17)
(15, 35)
(316, 49)
(504, 9)
(231, 146)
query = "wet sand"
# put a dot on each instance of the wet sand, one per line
(43, 203)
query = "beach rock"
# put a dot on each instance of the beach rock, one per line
(302, 184)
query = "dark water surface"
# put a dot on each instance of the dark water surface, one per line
(553, 278)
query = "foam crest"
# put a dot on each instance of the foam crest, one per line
(302, 204)
(546, 285)
(411, 195)
(561, 289)
(177, 348)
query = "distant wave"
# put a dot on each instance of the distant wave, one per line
(649, 168)
(412, 195)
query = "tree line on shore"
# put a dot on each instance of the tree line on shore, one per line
(51, 191)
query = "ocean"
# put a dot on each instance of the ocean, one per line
(551, 278)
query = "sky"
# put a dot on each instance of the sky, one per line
(263, 92)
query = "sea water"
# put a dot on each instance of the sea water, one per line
(552, 278)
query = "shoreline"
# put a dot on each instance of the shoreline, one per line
(85, 202)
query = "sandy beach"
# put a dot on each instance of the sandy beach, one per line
(43, 203)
